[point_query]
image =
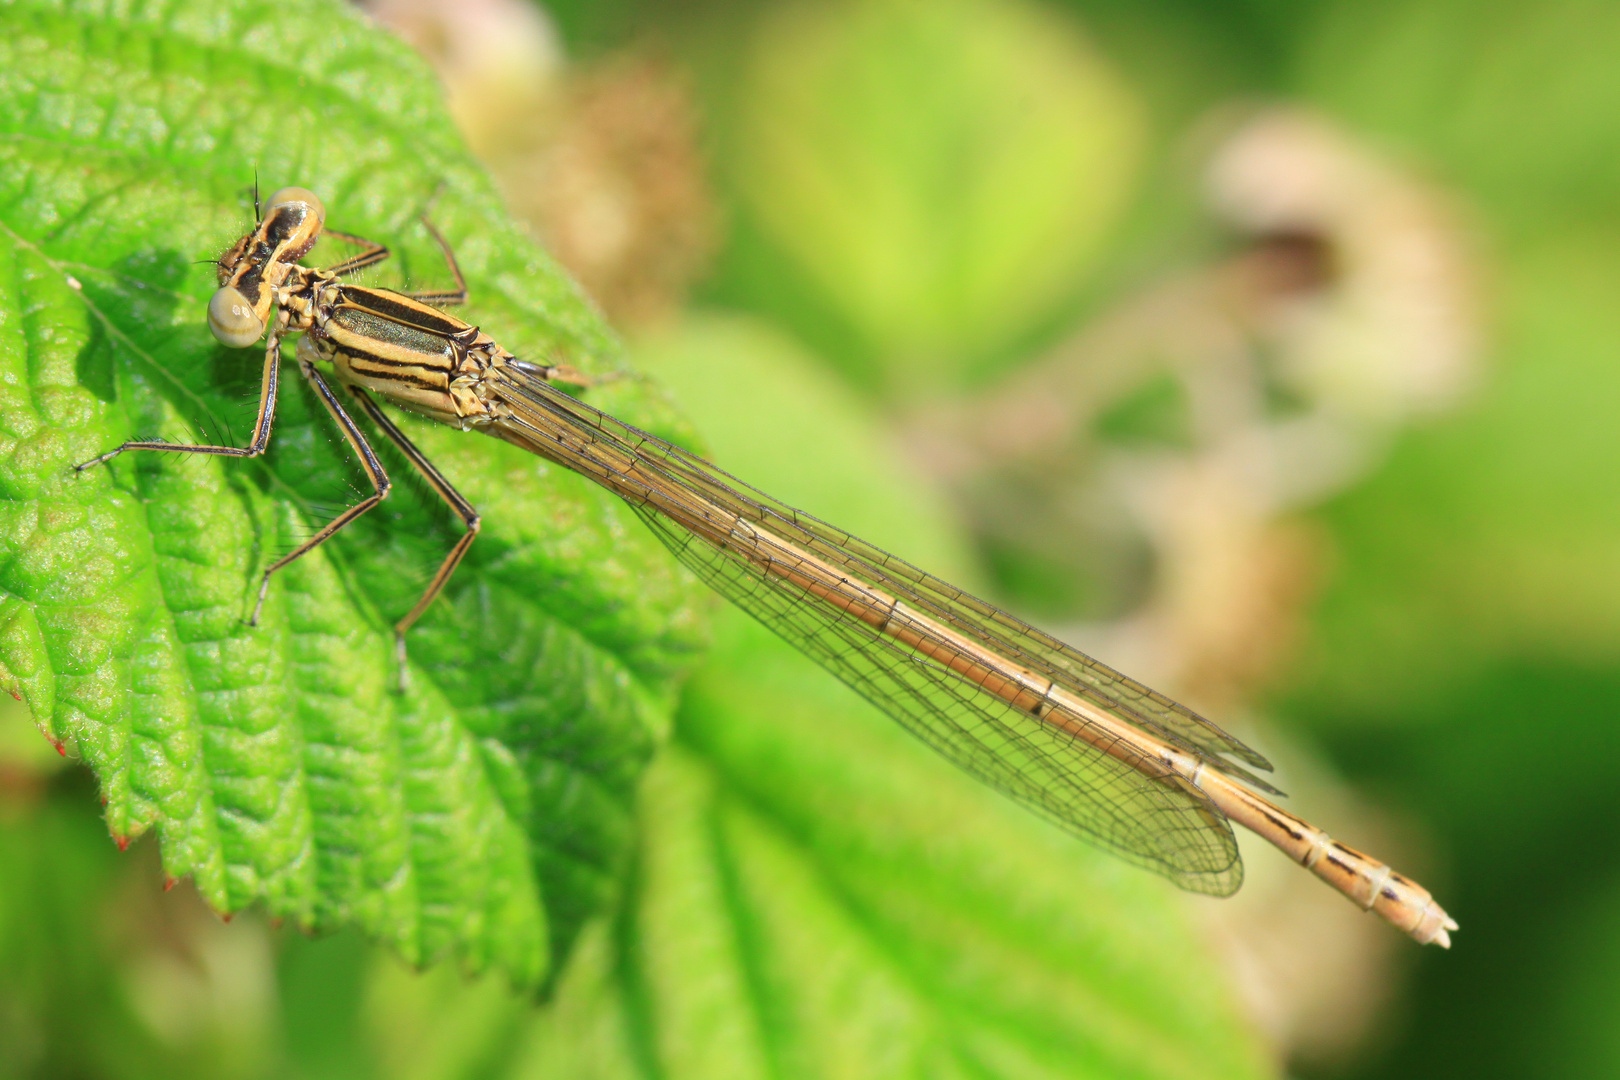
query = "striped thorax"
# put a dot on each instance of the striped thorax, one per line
(413, 355)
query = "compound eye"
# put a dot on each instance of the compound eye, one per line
(233, 320)
(297, 194)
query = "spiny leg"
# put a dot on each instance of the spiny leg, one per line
(447, 492)
(443, 297)
(261, 427)
(373, 254)
(564, 372)
(368, 461)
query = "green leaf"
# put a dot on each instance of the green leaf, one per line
(819, 897)
(487, 811)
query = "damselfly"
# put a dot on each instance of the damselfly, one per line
(1096, 752)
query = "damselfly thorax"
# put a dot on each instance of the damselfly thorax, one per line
(1071, 738)
(416, 356)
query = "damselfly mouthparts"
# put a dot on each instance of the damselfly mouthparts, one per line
(1071, 738)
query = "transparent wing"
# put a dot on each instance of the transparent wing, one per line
(1143, 812)
(1013, 638)
(936, 684)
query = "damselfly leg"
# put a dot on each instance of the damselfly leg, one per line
(380, 483)
(370, 254)
(444, 297)
(447, 492)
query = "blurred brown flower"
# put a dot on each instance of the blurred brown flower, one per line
(615, 186)
(601, 159)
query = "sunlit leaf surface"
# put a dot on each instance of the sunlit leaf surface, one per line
(485, 812)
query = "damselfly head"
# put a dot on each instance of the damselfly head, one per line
(260, 262)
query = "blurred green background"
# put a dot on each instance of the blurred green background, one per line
(1326, 289)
